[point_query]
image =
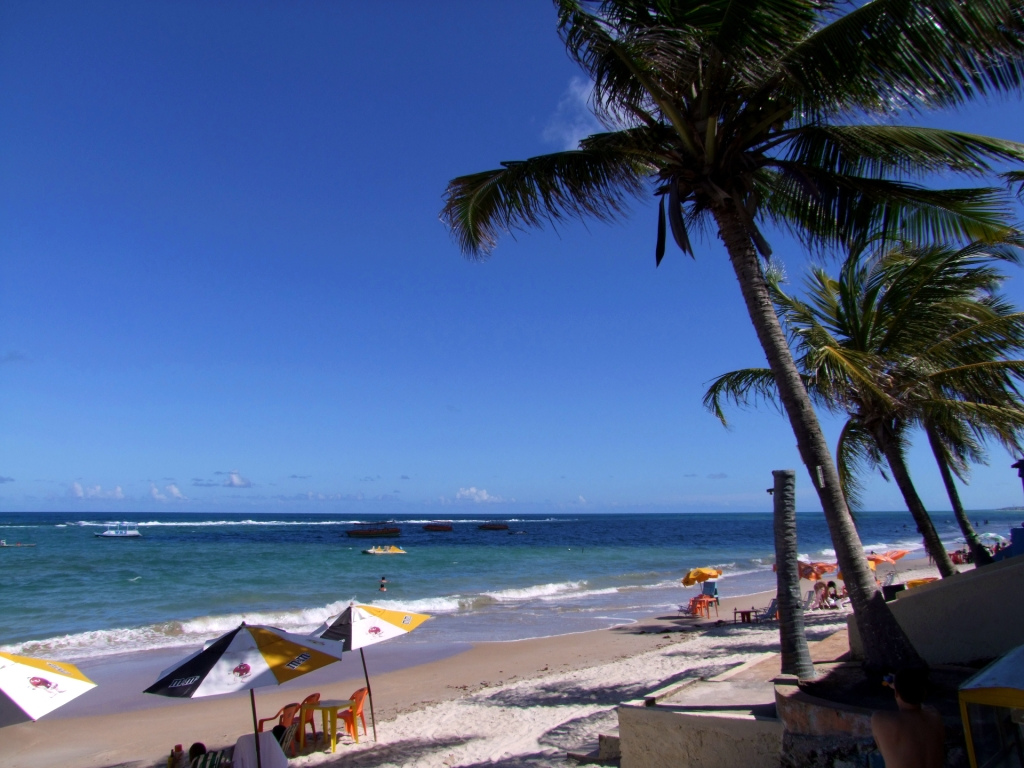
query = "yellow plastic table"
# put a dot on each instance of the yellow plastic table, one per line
(329, 708)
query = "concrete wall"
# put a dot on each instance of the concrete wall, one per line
(974, 615)
(661, 737)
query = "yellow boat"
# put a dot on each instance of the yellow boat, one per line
(389, 550)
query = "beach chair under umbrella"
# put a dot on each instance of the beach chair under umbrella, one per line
(361, 625)
(248, 657)
(31, 688)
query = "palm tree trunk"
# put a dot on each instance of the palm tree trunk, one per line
(898, 466)
(885, 642)
(796, 656)
(981, 554)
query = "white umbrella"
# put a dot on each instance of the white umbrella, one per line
(249, 656)
(37, 686)
(361, 625)
(992, 537)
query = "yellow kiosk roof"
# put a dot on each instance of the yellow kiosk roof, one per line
(1000, 684)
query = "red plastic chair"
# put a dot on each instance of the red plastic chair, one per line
(313, 698)
(356, 711)
(285, 717)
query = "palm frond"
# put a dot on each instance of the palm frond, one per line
(595, 182)
(742, 388)
(878, 151)
(894, 54)
(856, 454)
(824, 210)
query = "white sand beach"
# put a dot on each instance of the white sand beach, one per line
(507, 704)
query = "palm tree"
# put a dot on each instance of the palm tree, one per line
(914, 337)
(956, 442)
(736, 114)
(796, 655)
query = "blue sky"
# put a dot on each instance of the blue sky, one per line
(225, 284)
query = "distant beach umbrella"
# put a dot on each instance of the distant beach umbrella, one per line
(896, 554)
(812, 571)
(248, 657)
(698, 575)
(876, 559)
(992, 537)
(361, 625)
(31, 688)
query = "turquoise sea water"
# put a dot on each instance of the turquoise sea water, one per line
(193, 576)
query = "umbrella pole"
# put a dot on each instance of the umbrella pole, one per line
(255, 727)
(369, 695)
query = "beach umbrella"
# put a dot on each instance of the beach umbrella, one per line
(361, 625)
(248, 657)
(36, 687)
(811, 571)
(896, 554)
(874, 560)
(698, 575)
(992, 537)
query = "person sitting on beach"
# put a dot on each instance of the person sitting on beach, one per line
(819, 595)
(831, 596)
(913, 737)
(196, 750)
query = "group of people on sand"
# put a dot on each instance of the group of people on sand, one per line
(827, 596)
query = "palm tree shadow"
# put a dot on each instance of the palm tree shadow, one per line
(404, 752)
(580, 733)
(549, 759)
(560, 694)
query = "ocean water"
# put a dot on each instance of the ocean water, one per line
(193, 576)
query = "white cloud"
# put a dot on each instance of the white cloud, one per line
(573, 119)
(155, 493)
(235, 480)
(476, 495)
(582, 500)
(174, 493)
(78, 491)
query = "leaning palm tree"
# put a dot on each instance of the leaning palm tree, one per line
(916, 337)
(734, 115)
(956, 441)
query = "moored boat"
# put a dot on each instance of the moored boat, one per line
(121, 531)
(374, 531)
(438, 525)
(493, 527)
(391, 549)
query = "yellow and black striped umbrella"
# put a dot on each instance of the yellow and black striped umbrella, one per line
(248, 657)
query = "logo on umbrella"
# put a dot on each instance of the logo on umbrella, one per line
(298, 661)
(42, 682)
(242, 670)
(375, 630)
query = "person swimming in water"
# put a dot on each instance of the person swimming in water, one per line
(383, 583)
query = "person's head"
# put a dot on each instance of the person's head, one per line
(196, 750)
(911, 685)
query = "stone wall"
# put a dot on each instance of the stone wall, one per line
(660, 737)
(978, 614)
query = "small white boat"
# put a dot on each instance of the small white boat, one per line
(389, 550)
(121, 531)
